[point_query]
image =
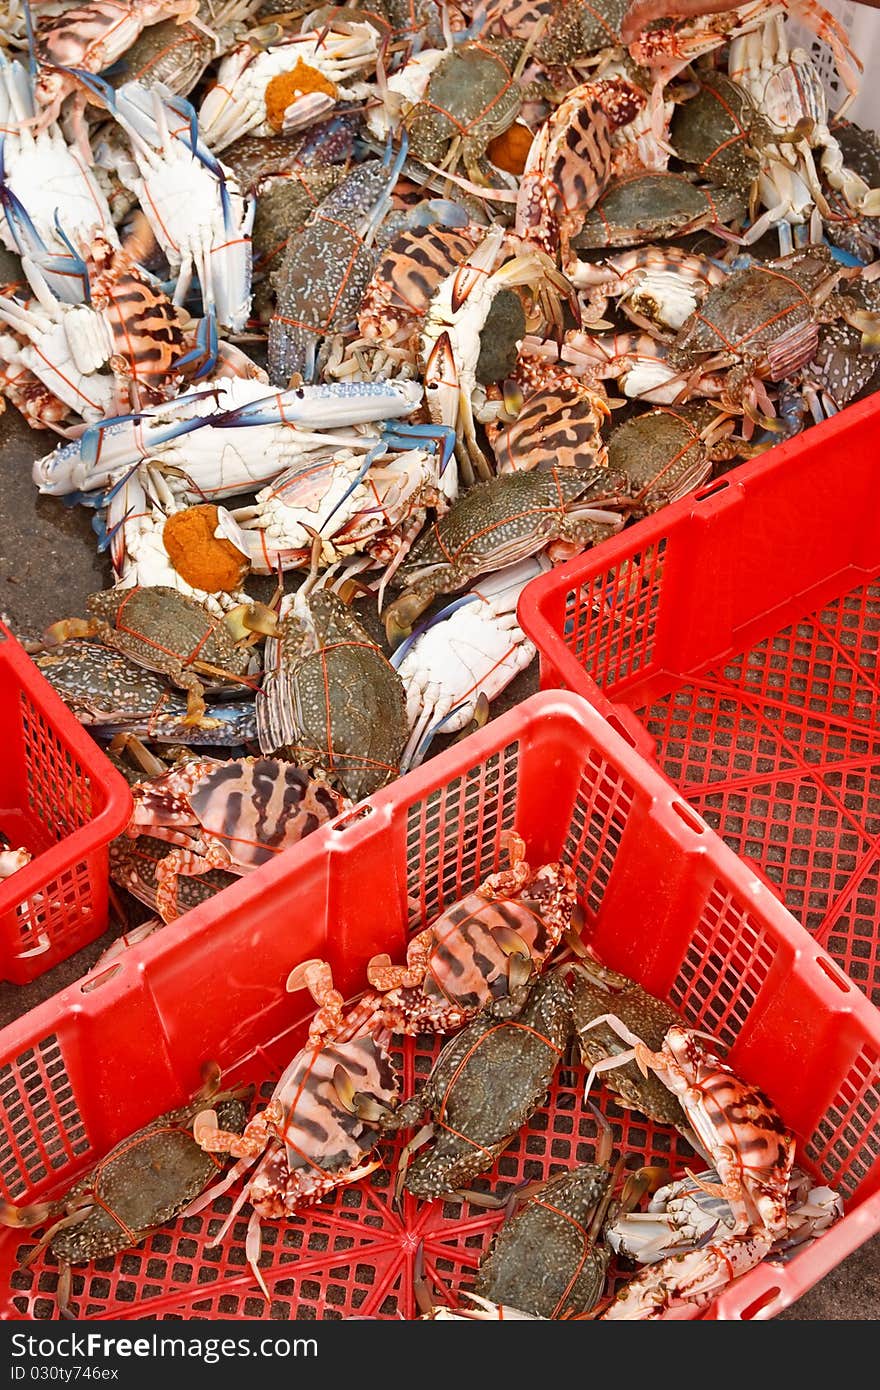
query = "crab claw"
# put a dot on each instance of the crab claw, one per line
(205, 1124)
(306, 976)
(406, 609)
(35, 1215)
(62, 631)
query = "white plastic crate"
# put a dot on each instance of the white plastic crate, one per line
(862, 24)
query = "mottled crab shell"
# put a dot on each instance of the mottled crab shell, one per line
(485, 1084)
(653, 207)
(649, 1018)
(713, 130)
(761, 310)
(145, 1181)
(471, 95)
(542, 1260)
(663, 454)
(333, 698)
(556, 425)
(164, 630)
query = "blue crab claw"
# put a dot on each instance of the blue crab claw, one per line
(326, 406)
(205, 351)
(377, 451)
(33, 62)
(400, 652)
(106, 536)
(402, 435)
(102, 92)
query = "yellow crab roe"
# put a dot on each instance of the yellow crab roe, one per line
(511, 149)
(285, 86)
(204, 560)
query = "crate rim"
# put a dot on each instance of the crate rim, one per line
(574, 572)
(100, 828)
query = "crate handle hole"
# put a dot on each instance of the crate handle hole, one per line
(711, 489)
(95, 982)
(835, 976)
(352, 817)
(761, 1303)
(620, 728)
(689, 816)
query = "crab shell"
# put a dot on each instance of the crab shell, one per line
(543, 1260)
(143, 1182)
(461, 960)
(250, 808)
(322, 1143)
(485, 1084)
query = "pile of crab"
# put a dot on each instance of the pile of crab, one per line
(506, 975)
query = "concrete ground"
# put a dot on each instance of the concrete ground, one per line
(48, 564)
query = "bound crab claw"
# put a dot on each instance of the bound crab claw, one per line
(453, 665)
(192, 201)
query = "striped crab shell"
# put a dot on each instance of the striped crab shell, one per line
(311, 1137)
(558, 423)
(251, 808)
(406, 279)
(466, 959)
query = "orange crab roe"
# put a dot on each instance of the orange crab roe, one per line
(285, 86)
(204, 560)
(511, 149)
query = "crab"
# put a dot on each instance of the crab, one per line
(453, 102)
(327, 268)
(548, 1258)
(501, 521)
(735, 1124)
(330, 696)
(316, 1133)
(463, 657)
(667, 452)
(472, 332)
(147, 1180)
(598, 991)
(657, 287)
(111, 694)
(556, 423)
(284, 205)
(486, 1082)
(166, 632)
(191, 806)
(763, 321)
(650, 207)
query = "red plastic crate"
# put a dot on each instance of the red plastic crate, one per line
(665, 901)
(64, 801)
(733, 639)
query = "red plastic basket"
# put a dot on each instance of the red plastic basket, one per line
(733, 639)
(64, 801)
(665, 901)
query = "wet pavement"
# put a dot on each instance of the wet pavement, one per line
(48, 565)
